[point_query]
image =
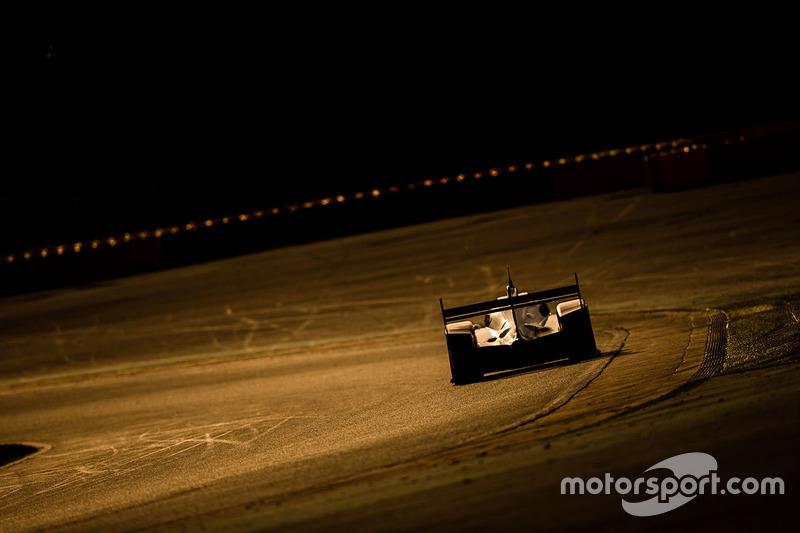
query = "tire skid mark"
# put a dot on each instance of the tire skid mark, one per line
(94, 465)
(791, 312)
(716, 346)
(713, 361)
(627, 209)
(8, 490)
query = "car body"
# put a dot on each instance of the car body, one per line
(516, 330)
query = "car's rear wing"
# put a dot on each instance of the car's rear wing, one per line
(464, 312)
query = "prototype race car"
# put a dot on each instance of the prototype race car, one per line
(516, 330)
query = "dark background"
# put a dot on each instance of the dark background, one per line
(138, 121)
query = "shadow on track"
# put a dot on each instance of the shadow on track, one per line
(522, 367)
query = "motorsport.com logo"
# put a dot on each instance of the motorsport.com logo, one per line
(692, 474)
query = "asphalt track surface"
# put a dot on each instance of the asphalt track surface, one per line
(308, 388)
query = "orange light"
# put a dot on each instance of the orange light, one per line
(682, 145)
(10, 258)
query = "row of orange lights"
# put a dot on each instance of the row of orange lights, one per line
(649, 150)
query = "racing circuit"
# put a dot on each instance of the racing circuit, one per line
(307, 388)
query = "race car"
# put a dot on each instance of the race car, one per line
(516, 330)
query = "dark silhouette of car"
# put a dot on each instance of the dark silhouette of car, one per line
(516, 330)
